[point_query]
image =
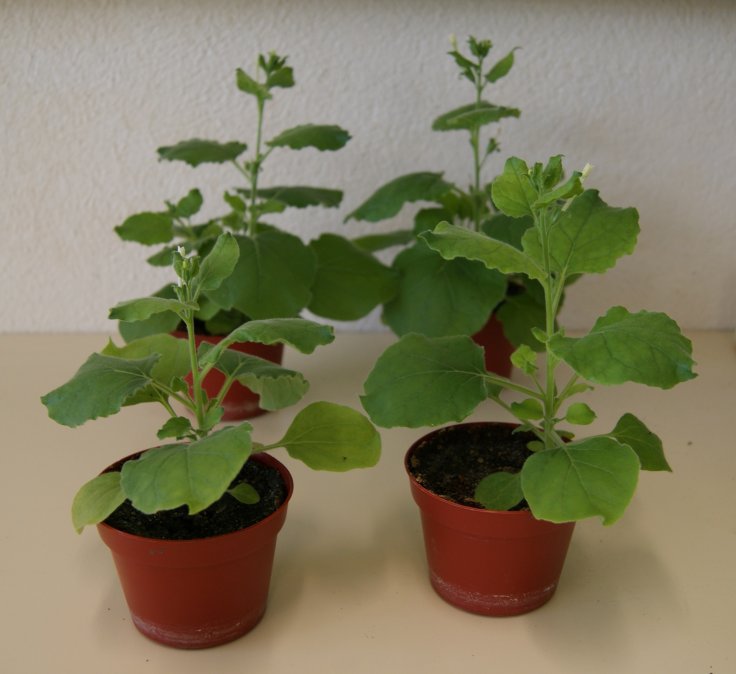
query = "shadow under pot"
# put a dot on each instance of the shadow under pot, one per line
(204, 591)
(495, 563)
(239, 402)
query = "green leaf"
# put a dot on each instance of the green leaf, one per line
(273, 276)
(529, 409)
(499, 491)
(645, 347)
(145, 307)
(422, 381)
(388, 200)
(99, 388)
(648, 447)
(512, 191)
(580, 414)
(595, 476)
(507, 229)
(375, 242)
(472, 116)
(173, 354)
(321, 137)
(163, 258)
(553, 171)
(452, 242)
(197, 151)
(195, 474)
(301, 196)
(587, 238)
(569, 189)
(248, 85)
(277, 386)
(303, 335)
(326, 436)
(97, 500)
(175, 427)
(244, 493)
(520, 315)
(147, 228)
(427, 218)
(218, 264)
(283, 77)
(525, 359)
(441, 297)
(189, 205)
(164, 322)
(501, 68)
(350, 282)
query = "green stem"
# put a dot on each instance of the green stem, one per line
(475, 144)
(255, 171)
(199, 410)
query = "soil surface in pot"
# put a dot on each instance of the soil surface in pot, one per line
(455, 459)
(222, 517)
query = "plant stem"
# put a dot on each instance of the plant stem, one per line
(255, 170)
(199, 410)
(475, 144)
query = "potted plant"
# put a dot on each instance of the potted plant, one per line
(192, 523)
(436, 296)
(277, 275)
(523, 487)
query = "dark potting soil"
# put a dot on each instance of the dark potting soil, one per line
(222, 517)
(455, 459)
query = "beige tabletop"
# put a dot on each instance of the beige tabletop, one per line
(653, 594)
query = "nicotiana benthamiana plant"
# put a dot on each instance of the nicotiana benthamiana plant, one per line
(463, 292)
(277, 275)
(198, 469)
(567, 231)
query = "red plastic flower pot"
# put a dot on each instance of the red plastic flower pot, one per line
(240, 402)
(496, 346)
(202, 592)
(489, 562)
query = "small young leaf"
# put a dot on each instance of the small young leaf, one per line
(595, 476)
(525, 359)
(189, 205)
(197, 151)
(175, 427)
(283, 77)
(648, 447)
(501, 68)
(163, 322)
(645, 347)
(499, 491)
(321, 137)
(512, 191)
(571, 188)
(147, 228)
(388, 200)
(99, 388)
(580, 414)
(449, 372)
(332, 437)
(96, 500)
(248, 85)
(218, 264)
(244, 493)
(527, 410)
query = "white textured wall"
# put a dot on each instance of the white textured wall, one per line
(645, 90)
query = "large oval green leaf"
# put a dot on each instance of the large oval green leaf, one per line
(302, 196)
(273, 276)
(147, 228)
(422, 381)
(96, 500)
(646, 347)
(326, 436)
(350, 282)
(194, 474)
(472, 116)
(319, 136)
(197, 151)
(594, 477)
(438, 297)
